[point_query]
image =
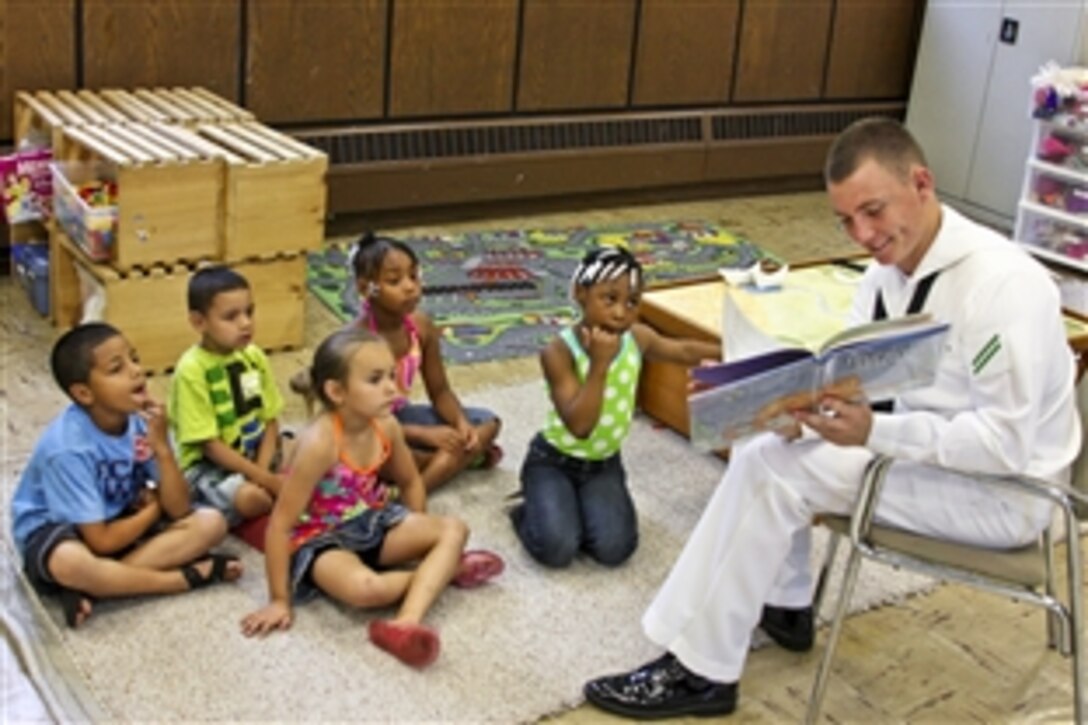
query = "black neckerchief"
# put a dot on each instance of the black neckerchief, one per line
(917, 302)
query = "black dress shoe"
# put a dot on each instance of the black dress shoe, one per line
(659, 689)
(793, 629)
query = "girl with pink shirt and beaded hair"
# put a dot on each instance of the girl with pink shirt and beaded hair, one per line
(338, 527)
(444, 436)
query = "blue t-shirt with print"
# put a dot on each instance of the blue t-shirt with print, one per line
(79, 474)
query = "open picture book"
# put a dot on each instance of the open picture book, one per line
(874, 361)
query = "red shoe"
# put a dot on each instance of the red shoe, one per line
(476, 568)
(252, 531)
(412, 644)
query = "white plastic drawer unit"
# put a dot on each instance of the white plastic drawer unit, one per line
(1054, 234)
(1062, 187)
(1053, 219)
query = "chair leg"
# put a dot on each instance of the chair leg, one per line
(1057, 635)
(1076, 624)
(825, 572)
(819, 687)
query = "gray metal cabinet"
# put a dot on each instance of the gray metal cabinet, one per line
(969, 105)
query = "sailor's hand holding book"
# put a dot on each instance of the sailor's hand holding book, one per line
(839, 421)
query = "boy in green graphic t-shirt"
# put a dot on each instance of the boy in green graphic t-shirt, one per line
(224, 402)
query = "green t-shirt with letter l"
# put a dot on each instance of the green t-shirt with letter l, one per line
(228, 397)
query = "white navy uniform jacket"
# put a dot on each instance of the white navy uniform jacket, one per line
(1003, 401)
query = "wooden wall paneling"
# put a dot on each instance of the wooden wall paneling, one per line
(452, 58)
(315, 60)
(575, 54)
(767, 158)
(38, 38)
(514, 176)
(873, 45)
(685, 52)
(782, 50)
(135, 43)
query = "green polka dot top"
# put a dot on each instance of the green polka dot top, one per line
(620, 387)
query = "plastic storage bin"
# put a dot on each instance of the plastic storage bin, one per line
(1054, 234)
(31, 263)
(93, 228)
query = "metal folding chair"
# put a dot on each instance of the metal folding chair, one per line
(1025, 574)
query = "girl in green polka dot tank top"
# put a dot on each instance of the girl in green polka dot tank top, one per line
(573, 483)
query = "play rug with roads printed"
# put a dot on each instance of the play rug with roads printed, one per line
(501, 294)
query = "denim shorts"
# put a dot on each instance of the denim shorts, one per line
(215, 487)
(47, 537)
(363, 535)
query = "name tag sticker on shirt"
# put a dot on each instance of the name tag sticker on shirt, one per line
(141, 449)
(251, 384)
(990, 356)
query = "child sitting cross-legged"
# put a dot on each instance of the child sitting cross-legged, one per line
(445, 437)
(340, 528)
(102, 509)
(224, 401)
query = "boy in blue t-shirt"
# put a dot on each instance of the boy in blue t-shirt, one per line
(102, 509)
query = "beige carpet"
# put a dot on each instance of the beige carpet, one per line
(512, 652)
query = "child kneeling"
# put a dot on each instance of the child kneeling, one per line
(573, 480)
(337, 527)
(102, 509)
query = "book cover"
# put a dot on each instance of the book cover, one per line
(872, 361)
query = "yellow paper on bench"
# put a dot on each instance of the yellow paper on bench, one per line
(811, 306)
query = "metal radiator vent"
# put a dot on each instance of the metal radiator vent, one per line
(743, 126)
(362, 146)
(414, 144)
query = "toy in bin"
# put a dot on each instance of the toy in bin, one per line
(1050, 192)
(1076, 200)
(88, 213)
(26, 185)
(1055, 149)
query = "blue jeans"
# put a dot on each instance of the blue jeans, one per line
(425, 414)
(574, 505)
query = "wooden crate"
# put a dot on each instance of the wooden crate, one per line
(149, 306)
(275, 191)
(178, 106)
(40, 114)
(169, 189)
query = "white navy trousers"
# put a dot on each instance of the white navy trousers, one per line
(752, 545)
